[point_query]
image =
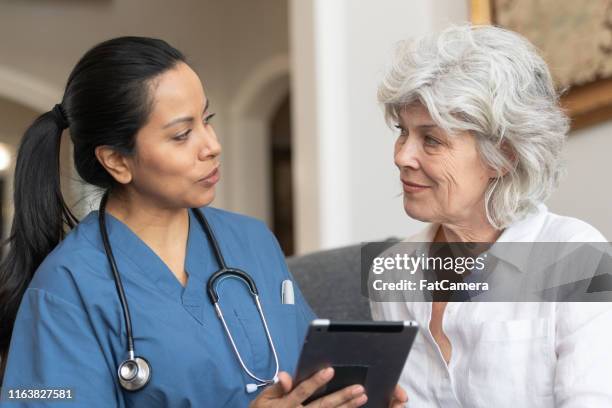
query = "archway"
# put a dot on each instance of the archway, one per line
(248, 140)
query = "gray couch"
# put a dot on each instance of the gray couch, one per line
(331, 282)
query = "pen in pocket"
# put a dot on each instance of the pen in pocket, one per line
(287, 297)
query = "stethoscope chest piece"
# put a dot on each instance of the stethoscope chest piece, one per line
(134, 373)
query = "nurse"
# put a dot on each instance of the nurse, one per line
(140, 123)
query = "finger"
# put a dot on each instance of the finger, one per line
(278, 390)
(352, 396)
(285, 380)
(397, 404)
(307, 387)
(400, 394)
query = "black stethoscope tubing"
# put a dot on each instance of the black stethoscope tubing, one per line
(135, 372)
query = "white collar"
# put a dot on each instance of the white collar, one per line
(525, 230)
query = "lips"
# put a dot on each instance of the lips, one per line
(211, 178)
(411, 184)
(211, 174)
(412, 188)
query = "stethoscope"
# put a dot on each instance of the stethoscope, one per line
(135, 372)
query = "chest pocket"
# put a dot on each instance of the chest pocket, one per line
(515, 330)
(281, 321)
(517, 357)
(248, 331)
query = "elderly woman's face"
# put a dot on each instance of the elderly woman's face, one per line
(443, 176)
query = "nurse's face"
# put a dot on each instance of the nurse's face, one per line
(443, 177)
(176, 160)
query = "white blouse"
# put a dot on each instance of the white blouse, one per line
(512, 354)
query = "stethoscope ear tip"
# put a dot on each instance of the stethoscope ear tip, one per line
(251, 388)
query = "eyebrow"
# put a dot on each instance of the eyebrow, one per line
(185, 118)
(424, 126)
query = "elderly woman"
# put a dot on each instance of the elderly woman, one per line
(478, 152)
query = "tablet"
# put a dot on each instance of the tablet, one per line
(368, 353)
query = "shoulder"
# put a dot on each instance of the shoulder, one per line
(74, 261)
(545, 226)
(569, 229)
(245, 240)
(540, 226)
(240, 233)
(232, 219)
(560, 228)
(236, 225)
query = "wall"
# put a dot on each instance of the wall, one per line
(225, 41)
(347, 186)
(586, 191)
(348, 189)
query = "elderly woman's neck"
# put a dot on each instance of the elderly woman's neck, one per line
(472, 232)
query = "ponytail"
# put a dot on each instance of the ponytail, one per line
(107, 98)
(39, 218)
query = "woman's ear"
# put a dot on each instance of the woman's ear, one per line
(510, 156)
(115, 163)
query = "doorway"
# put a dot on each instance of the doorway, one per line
(282, 176)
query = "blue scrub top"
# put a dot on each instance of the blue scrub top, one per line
(70, 331)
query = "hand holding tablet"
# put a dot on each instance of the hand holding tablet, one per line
(371, 354)
(282, 395)
(346, 364)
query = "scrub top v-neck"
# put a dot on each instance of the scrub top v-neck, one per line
(70, 332)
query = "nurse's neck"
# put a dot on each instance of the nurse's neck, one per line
(164, 229)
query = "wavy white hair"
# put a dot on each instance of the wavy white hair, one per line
(492, 83)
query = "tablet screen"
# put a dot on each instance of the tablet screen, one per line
(368, 353)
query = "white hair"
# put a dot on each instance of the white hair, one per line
(491, 82)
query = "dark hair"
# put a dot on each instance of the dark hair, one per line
(106, 101)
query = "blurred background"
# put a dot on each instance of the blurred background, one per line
(293, 83)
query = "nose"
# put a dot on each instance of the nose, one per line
(407, 154)
(210, 147)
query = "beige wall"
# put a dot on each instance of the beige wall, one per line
(225, 41)
(586, 190)
(222, 39)
(348, 186)
(240, 49)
